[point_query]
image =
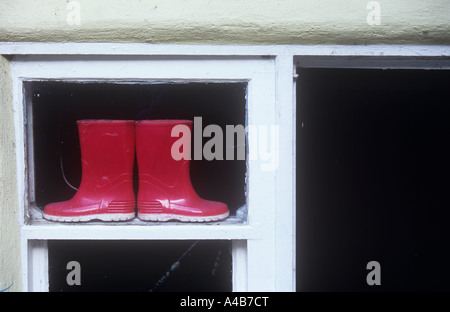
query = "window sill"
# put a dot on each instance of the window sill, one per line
(231, 228)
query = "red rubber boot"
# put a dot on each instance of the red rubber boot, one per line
(165, 189)
(106, 189)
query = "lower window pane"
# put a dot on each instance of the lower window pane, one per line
(140, 266)
(373, 168)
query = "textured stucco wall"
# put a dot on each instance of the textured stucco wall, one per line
(231, 21)
(9, 228)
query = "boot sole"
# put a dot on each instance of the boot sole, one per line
(167, 217)
(109, 217)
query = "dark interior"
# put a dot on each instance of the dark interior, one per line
(141, 266)
(373, 179)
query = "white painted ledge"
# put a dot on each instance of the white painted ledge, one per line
(231, 228)
(133, 49)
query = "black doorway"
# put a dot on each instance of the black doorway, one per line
(373, 179)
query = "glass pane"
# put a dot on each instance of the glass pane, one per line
(56, 106)
(372, 176)
(140, 266)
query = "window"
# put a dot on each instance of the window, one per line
(51, 92)
(374, 167)
(55, 106)
(281, 229)
(142, 265)
(56, 168)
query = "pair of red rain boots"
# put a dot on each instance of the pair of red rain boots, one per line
(106, 190)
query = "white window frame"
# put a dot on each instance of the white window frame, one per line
(253, 241)
(263, 247)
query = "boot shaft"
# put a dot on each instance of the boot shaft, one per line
(154, 143)
(165, 188)
(106, 188)
(107, 148)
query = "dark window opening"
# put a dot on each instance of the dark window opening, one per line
(56, 106)
(373, 179)
(140, 266)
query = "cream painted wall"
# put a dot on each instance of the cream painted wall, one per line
(231, 21)
(9, 228)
